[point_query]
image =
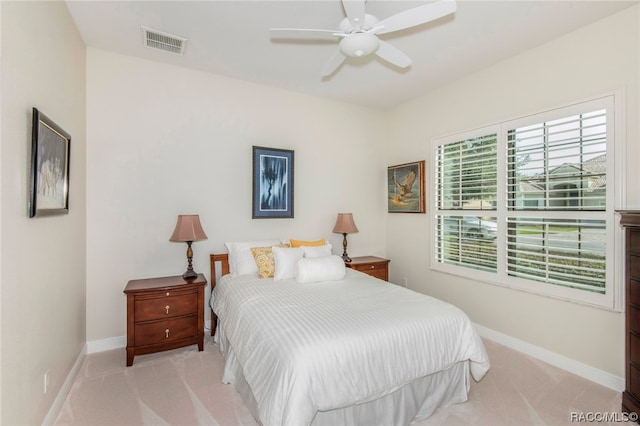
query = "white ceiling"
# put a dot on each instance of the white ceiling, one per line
(232, 38)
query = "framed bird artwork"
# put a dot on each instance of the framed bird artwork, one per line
(406, 188)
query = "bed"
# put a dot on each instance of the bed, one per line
(349, 351)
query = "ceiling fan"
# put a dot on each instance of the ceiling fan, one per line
(358, 32)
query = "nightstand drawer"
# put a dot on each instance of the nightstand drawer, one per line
(380, 273)
(166, 306)
(634, 318)
(634, 240)
(634, 266)
(634, 378)
(166, 331)
(634, 292)
(375, 266)
(374, 269)
(369, 267)
(634, 348)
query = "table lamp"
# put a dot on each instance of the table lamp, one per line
(188, 229)
(345, 225)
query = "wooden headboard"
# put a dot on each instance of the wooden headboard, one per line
(223, 258)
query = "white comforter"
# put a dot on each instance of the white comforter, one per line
(313, 347)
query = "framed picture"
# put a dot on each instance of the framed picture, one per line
(272, 183)
(49, 167)
(406, 183)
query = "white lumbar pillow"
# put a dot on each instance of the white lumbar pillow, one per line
(314, 269)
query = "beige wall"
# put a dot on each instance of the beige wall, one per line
(43, 259)
(594, 60)
(165, 140)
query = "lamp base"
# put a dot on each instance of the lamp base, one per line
(190, 274)
(345, 256)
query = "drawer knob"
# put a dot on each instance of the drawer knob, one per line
(372, 267)
(166, 333)
(167, 308)
(167, 293)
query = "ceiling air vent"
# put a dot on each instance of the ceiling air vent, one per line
(171, 43)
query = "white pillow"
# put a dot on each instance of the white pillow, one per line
(285, 260)
(317, 251)
(314, 269)
(241, 261)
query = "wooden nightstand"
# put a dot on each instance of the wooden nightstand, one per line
(371, 265)
(164, 313)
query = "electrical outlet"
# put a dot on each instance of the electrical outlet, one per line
(404, 281)
(46, 381)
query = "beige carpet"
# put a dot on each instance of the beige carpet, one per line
(182, 387)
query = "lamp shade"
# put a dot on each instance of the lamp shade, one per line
(345, 224)
(188, 228)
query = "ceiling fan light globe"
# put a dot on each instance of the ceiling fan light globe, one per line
(359, 44)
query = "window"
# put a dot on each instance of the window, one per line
(467, 180)
(529, 203)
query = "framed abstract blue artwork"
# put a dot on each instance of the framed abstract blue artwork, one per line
(272, 183)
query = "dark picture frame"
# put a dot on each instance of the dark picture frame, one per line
(272, 183)
(50, 153)
(406, 188)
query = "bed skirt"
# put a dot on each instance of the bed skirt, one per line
(412, 402)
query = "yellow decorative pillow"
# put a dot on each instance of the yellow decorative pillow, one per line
(299, 243)
(264, 260)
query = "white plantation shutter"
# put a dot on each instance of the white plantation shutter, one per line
(564, 252)
(554, 167)
(466, 179)
(529, 203)
(466, 172)
(466, 241)
(560, 164)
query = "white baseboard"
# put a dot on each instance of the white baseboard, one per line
(55, 408)
(571, 365)
(106, 344)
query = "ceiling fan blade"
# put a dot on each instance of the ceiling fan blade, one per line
(303, 33)
(393, 55)
(333, 64)
(355, 12)
(416, 16)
